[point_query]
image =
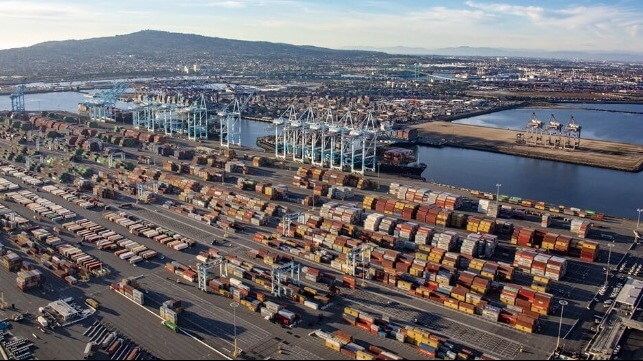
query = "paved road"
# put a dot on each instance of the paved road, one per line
(579, 287)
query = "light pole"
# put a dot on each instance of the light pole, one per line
(563, 303)
(498, 185)
(638, 220)
(609, 255)
(234, 306)
(378, 177)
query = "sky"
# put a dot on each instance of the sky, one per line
(549, 25)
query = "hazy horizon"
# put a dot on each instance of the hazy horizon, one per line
(589, 26)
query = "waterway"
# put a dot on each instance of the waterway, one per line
(54, 101)
(602, 190)
(611, 122)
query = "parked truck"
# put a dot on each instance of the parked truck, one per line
(92, 303)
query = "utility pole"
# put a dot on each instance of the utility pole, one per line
(234, 306)
(609, 255)
(563, 303)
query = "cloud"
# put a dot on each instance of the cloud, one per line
(378, 23)
(633, 30)
(534, 13)
(228, 4)
(601, 20)
(440, 13)
(43, 11)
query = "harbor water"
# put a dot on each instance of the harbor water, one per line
(602, 190)
(54, 101)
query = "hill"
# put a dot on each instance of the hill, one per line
(150, 52)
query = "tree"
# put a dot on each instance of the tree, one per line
(26, 126)
(52, 134)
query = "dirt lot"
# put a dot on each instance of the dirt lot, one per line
(620, 156)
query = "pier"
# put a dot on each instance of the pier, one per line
(595, 153)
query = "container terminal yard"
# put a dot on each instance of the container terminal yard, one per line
(165, 237)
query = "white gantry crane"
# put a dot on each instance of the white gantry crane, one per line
(230, 120)
(554, 132)
(322, 138)
(572, 134)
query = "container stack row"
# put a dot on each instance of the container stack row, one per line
(539, 264)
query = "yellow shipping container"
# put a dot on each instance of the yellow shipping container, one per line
(425, 248)
(540, 279)
(459, 297)
(432, 343)
(333, 345)
(537, 310)
(490, 276)
(416, 272)
(351, 311)
(363, 355)
(451, 305)
(523, 328)
(478, 289)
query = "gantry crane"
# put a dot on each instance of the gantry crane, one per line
(532, 132)
(554, 132)
(277, 276)
(361, 252)
(37, 158)
(18, 99)
(347, 143)
(112, 163)
(203, 270)
(101, 105)
(230, 120)
(572, 134)
(287, 219)
(140, 189)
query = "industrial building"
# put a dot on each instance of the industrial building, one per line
(64, 310)
(630, 294)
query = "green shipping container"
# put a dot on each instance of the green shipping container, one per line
(171, 325)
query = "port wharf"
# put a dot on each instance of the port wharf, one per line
(443, 132)
(595, 153)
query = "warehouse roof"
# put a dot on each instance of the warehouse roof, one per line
(630, 292)
(63, 309)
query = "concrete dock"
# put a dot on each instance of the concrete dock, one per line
(595, 153)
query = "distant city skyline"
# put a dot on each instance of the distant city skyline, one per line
(584, 25)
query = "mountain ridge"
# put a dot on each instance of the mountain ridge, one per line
(149, 51)
(508, 52)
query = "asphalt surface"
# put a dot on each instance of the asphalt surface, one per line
(209, 318)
